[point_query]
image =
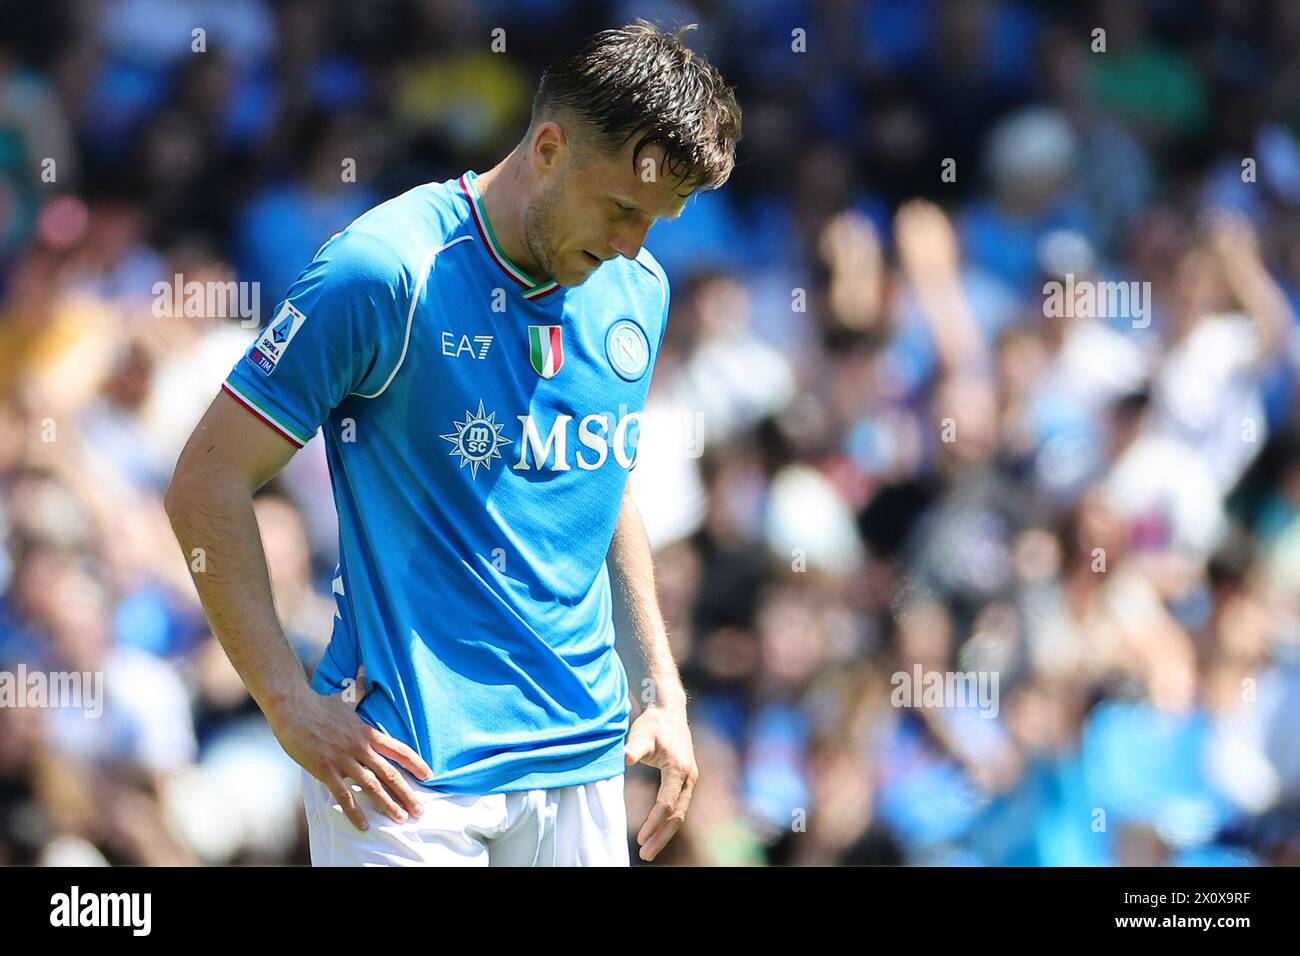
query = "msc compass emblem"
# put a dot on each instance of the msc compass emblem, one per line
(477, 440)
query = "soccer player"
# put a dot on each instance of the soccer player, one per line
(477, 354)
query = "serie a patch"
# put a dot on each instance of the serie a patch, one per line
(270, 345)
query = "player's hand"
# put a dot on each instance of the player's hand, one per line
(1232, 238)
(926, 242)
(326, 737)
(661, 738)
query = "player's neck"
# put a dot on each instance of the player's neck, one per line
(501, 189)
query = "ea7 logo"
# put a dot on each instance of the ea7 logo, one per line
(475, 345)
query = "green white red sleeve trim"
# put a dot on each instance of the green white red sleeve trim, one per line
(264, 415)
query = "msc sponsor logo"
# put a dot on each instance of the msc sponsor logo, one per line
(587, 444)
(600, 434)
(477, 440)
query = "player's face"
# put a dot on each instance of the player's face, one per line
(585, 213)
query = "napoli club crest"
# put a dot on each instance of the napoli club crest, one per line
(627, 349)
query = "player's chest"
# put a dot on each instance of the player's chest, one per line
(575, 354)
(554, 390)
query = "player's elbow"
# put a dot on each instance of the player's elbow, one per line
(191, 484)
(181, 491)
(205, 478)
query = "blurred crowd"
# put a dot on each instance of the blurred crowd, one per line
(873, 447)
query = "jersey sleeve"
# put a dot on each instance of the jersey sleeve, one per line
(659, 293)
(340, 331)
(662, 276)
(663, 328)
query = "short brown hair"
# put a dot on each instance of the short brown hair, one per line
(640, 80)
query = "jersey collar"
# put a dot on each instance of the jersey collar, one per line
(531, 288)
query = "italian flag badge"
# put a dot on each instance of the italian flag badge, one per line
(545, 349)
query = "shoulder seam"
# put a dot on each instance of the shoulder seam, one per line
(420, 282)
(661, 279)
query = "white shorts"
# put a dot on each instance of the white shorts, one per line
(584, 825)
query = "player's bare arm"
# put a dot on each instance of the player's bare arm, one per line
(210, 503)
(660, 736)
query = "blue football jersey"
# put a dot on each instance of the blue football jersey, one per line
(480, 427)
